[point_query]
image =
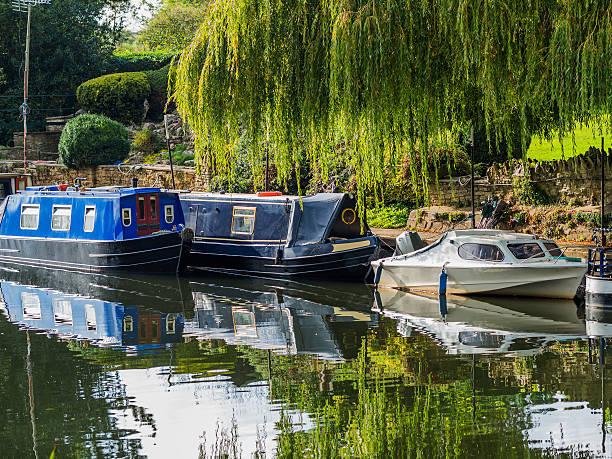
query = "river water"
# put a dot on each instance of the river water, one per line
(103, 366)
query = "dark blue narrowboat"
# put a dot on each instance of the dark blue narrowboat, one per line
(94, 230)
(272, 235)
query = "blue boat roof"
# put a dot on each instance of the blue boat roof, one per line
(110, 191)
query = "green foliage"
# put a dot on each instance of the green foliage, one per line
(526, 192)
(139, 61)
(147, 141)
(119, 96)
(381, 77)
(519, 217)
(179, 158)
(583, 138)
(391, 216)
(173, 27)
(90, 140)
(71, 41)
(158, 79)
(451, 217)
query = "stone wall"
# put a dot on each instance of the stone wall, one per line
(45, 143)
(186, 178)
(575, 181)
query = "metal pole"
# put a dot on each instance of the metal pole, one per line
(603, 192)
(472, 176)
(26, 74)
(267, 165)
(169, 152)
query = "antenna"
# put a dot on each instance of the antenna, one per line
(23, 6)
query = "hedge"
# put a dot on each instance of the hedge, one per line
(137, 62)
(91, 140)
(158, 79)
(119, 96)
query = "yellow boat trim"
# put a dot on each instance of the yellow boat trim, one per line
(350, 245)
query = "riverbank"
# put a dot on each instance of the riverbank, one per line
(569, 227)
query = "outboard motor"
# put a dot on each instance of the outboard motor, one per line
(408, 241)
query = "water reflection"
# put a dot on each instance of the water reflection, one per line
(144, 366)
(479, 325)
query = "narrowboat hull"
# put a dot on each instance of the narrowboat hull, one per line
(340, 260)
(164, 252)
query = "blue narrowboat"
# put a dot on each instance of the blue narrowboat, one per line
(94, 230)
(100, 322)
(272, 235)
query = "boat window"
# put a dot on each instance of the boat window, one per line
(553, 249)
(170, 324)
(62, 311)
(126, 217)
(90, 317)
(60, 218)
(141, 207)
(29, 216)
(128, 324)
(169, 213)
(90, 218)
(243, 220)
(153, 200)
(30, 303)
(481, 252)
(526, 250)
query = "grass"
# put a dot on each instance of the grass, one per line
(391, 216)
(543, 150)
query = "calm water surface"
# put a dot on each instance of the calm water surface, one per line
(100, 366)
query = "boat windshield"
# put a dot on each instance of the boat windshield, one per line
(524, 251)
(482, 252)
(553, 249)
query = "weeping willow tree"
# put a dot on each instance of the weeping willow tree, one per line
(369, 81)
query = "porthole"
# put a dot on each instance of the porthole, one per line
(349, 216)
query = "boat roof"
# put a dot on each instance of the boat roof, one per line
(239, 196)
(108, 191)
(490, 234)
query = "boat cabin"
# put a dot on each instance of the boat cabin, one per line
(496, 246)
(97, 214)
(12, 183)
(272, 218)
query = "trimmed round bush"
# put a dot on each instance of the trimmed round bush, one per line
(120, 96)
(91, 140)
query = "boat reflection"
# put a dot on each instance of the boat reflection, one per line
(480, 325)
(283, 318)
(143, 311)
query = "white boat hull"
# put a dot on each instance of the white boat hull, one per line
(598, 285)
(548, 280)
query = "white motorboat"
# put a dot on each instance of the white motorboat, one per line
(483, 261)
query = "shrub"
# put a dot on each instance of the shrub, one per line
(148, 142)
(129, 61)
(90, 140)
(120, 96)
(393, 216)
(158, 80)
(445, 161)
